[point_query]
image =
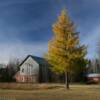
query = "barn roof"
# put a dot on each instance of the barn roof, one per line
(39, 60)
(94, 75)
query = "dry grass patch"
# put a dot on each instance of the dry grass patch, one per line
(28, 86)
(77, 92)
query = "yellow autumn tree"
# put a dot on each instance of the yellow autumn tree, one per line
(64, 50)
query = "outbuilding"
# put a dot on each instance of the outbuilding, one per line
(94, 77)
(33, 70)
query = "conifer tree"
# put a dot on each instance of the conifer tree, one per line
(64, 50)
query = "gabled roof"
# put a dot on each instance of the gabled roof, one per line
(39, 60)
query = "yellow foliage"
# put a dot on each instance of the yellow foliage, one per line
(64, 50)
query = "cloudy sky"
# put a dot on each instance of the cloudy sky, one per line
(26, 25)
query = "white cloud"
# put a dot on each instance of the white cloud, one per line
(92, 40)
(19, 50)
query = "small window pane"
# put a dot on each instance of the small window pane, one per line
(23, 70)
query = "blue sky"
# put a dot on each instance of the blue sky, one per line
(26, 25)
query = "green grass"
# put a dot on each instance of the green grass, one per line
(58, 92)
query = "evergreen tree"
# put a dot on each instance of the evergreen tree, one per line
(65, 53)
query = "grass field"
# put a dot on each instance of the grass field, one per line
(76, 92)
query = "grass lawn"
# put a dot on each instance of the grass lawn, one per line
(76, 92)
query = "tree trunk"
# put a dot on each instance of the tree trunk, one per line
(67, 80)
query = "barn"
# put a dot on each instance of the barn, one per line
(33, 70)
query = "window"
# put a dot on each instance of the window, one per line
(22, 69)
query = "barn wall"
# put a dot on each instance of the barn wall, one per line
(43, 73)
(27, 79)
(29, 70)
(30, 67)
